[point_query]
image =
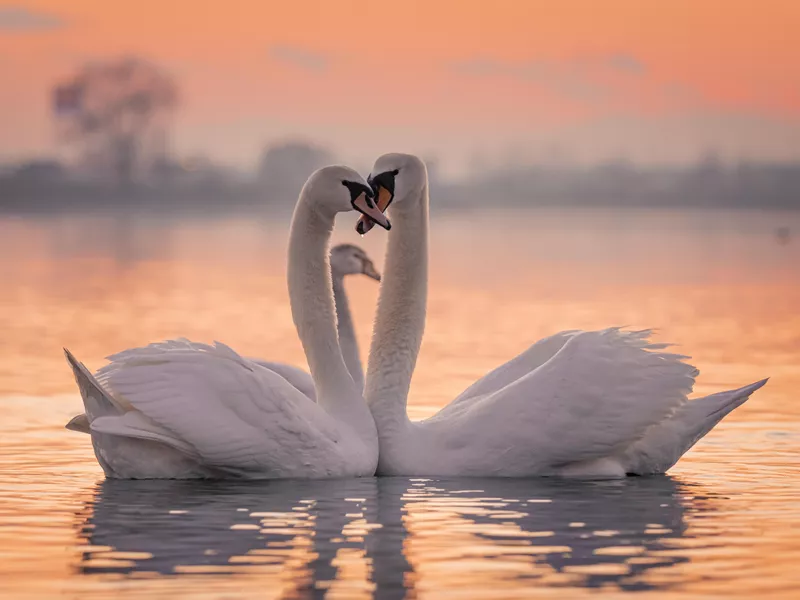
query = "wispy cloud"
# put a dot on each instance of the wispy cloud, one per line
(581, 79)
(300, 57)
(17, 19)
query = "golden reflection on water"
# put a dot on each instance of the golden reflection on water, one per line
(723, 523)
(727, 296)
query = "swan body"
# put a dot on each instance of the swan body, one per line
(583, 404)
(179, 409)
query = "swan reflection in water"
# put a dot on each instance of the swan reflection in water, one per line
(389, 535)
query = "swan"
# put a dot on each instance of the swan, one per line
(582, 404)
(178, 410)
(346, 259)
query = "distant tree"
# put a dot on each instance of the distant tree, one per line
(117, 112)
(285, 166)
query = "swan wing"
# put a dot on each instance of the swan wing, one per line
(154, 350)
(235, 414)
(299, 378)
(532, 358)
(593, 398)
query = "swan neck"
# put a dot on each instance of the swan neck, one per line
(400, 319)
(309, 281)
(347, 333)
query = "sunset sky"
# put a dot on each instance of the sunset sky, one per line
(466, 80)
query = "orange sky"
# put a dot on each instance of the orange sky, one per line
(650, 80)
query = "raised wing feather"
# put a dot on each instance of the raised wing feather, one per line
(155, 350)
(234, 413)
(297, 377)
(535, 356)
(593, 398)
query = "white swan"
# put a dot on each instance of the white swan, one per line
(183, 410)
(346, 259)
(592, 404)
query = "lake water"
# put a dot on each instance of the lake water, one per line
(725, 521)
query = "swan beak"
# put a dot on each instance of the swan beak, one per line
(370, 211)
(364, 225)
(370, 270)
(384, 199)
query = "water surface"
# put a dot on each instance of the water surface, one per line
(723, 522)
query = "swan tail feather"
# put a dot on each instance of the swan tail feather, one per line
(128, 444)
(96, 401)
(79, 423)
(665, 443)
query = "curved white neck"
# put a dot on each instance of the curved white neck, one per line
(400, 320)
(309, 279)
(347, 333)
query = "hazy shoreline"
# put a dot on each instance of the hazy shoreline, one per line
(250, 198)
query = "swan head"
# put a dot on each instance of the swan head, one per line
(338, 189)
(395, 178)
(347, 259)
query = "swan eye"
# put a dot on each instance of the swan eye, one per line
(356, 189)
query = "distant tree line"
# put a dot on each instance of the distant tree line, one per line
(46, 185)
(706, 184)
